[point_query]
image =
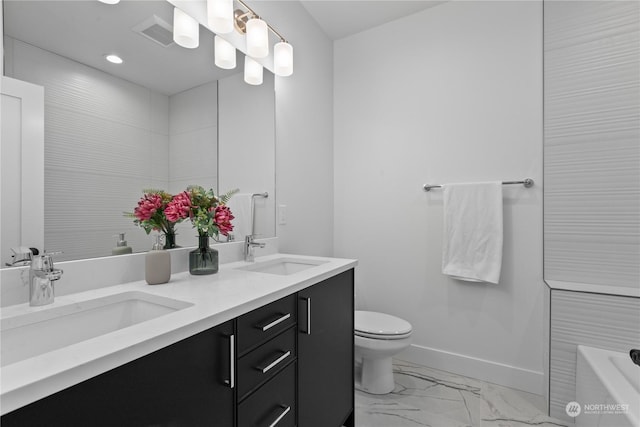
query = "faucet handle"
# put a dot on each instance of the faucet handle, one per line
(44, 262)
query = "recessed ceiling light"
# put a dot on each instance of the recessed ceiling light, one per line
(115, 59)
(109, 1)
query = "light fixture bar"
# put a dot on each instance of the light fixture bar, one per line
(273, 30)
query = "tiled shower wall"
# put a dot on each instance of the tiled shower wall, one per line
(592, 183)
(603, 321)
(591, 149)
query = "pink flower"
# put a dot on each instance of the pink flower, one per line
(147, 206)
(179, 207)
(222, 218)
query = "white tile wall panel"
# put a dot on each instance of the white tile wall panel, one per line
(94, 121)
(76, 87)
(592, 142)
(604, 321)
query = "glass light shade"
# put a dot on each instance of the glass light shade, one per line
(283, 59)
(252, 71)
(186, 30)
(257, 38)
(225, 53)
(220, 15)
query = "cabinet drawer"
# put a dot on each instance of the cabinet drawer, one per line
(265, 361)
(263, 323)
(274, 404)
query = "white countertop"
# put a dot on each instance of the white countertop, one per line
(216, 298)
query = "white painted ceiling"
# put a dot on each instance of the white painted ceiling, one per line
(342, 18)
(87, 30)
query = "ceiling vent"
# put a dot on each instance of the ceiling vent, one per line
(155, 29)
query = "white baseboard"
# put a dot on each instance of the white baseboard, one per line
(485, 370)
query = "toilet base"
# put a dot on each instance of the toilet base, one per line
(375, 376)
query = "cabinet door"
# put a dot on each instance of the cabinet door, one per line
(325, 353)
(181, 385)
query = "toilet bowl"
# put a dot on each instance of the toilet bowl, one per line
(378, 337)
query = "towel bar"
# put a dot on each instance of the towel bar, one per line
(528, 182)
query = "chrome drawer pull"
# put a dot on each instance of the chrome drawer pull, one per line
(274, 363)
(232, 362)
(308, 316)
(281, 416)
(274, 323)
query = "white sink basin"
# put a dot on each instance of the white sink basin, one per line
(46, 329)
(283, 266)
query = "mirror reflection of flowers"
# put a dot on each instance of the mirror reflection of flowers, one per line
(150, 212)
(208, 214)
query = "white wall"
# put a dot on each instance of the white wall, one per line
(193, 138)
(304, 132)
(247, 157)
(450, 94)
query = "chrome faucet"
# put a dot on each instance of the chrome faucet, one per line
(249, 246)
(41, 278)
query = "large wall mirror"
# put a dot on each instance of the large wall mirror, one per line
(164, 119)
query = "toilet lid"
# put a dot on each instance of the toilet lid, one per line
(380, 324)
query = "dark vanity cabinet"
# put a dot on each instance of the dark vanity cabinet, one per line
(286, 364)
(266, 374)
(182, 385)
(325, 353)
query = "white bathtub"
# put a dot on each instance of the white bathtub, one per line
(607, 389)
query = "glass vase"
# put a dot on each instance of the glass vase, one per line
(203, 260)
(169, 240)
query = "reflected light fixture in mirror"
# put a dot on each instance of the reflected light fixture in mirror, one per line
(252, 71)
(186, 30)
(220, 15)
(283, 59)
(257, 38)
(224, 54)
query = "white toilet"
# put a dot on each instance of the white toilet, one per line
(378, 337)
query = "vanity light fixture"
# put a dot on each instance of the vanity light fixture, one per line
(225, 53)
(257, 38)
(220, 15)
(186, 30)
(258, 41)
(114, 59)
(252, 71)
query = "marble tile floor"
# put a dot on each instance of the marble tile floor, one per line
(428, 397)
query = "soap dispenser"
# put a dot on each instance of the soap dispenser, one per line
(157, 264)
(121, 246)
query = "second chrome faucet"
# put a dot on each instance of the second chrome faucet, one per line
(249, 246)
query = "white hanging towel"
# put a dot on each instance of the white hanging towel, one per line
(240, 205)
(472, 239)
